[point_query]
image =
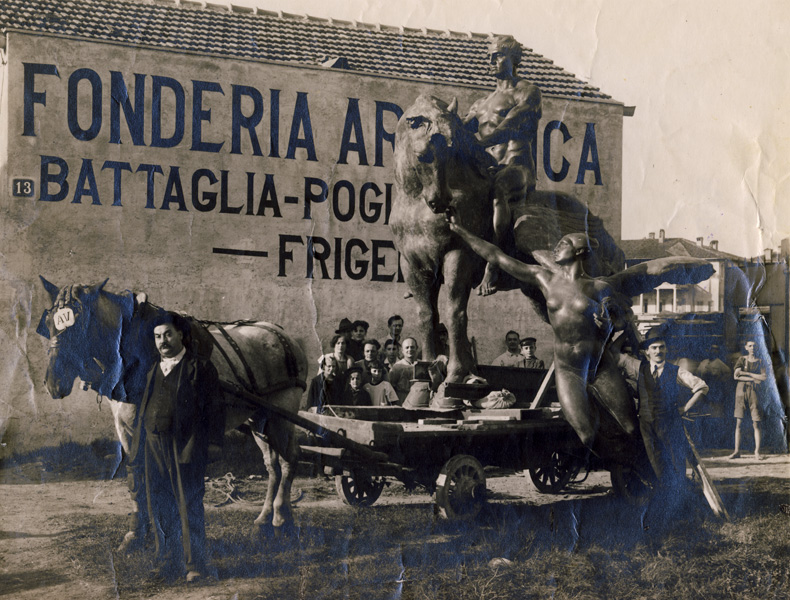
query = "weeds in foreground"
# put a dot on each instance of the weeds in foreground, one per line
(401, 552)
(568, 550)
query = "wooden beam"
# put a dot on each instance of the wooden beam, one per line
(548, 379)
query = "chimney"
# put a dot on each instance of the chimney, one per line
(699, 241)
(651, 235)
(714, 244)
(660, 236)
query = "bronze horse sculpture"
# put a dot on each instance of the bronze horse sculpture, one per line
(107, 341)
(440, 166)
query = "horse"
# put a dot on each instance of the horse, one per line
(441, 166)
(106, 340)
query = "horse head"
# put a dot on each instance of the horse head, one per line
(431, 142)
(83, 327)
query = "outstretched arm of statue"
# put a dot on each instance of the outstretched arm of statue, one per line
(492, 254)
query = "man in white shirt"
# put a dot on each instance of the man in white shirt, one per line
(403, 371)
(659, 384)
(512, 356)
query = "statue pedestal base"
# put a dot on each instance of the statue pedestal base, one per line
(440, 401)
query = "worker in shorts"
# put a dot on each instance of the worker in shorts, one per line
(750, 374)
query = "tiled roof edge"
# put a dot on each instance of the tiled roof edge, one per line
(230, 7)
(553, 80)
(300, 65)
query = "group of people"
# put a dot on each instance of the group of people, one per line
(520, 353)
(361, 371)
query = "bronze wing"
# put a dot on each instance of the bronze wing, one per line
(647, 276)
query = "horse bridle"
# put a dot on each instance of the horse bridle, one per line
(87, 365)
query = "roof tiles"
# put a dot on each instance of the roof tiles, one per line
(217, 30)
(652, 248)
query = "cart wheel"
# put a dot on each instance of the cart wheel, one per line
(552, 477)
(461, 488)
(628, 485)
(358, 488)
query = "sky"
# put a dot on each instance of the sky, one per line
(707, 152)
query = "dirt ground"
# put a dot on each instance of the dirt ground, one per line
(39, 509)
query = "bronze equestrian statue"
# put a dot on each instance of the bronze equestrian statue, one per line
(481, 172)
(440, 165)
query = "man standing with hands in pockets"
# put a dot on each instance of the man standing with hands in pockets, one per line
(180, 417)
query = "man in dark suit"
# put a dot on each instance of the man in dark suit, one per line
(179, 417)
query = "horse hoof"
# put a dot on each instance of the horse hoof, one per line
(286, 536)
(132, 542)
(261, 532)
(283, 531)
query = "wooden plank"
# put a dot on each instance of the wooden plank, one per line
(538, 402)
(389, 414)
(261, 403)
(470, 427)
(708, 487)
(359, 431)
(519, 414)
(414, 433)
(335, 452)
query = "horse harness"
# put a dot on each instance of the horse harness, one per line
(250, 384)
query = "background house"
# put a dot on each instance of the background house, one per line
(704, 303)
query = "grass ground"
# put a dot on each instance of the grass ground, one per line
(571, 550)
(591, 548)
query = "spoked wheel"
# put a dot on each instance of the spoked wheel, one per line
(358, 488)
(629, 485)
(552, 477)
(461, 488)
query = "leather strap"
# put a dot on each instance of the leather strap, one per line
(251, 385)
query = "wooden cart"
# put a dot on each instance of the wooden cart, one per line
(450, 453)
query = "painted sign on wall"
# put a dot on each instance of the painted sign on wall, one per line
(233, 189)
